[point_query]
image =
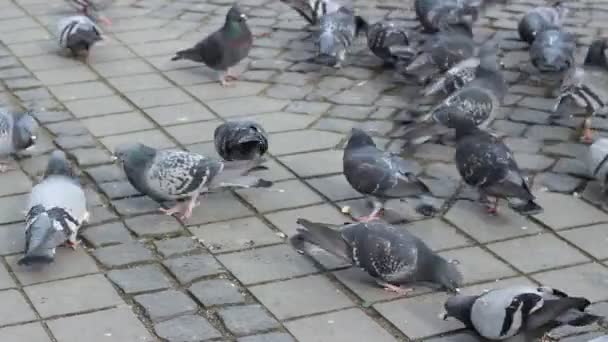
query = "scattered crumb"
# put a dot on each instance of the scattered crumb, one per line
(346, 209)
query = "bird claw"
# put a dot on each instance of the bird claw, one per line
(72, 244)
(370, 217)
(397, 289)
(225, 83)
(262, 35)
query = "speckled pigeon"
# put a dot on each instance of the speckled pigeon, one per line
(391, 42)
(312, 10)
(487, 164)
(224, 48)
(477, 101)
(552, 54)
(336, 34)
(597, 162)
(539, 19)
(588, 85)
(377, 174)
(524, 311)
(17, 133)
(78, 34)
(57, 208)
(182, 176)
(91, 9)
(240, 140)
(391, 255)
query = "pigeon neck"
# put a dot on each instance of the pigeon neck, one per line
(233, 28)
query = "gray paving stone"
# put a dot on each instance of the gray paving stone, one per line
(558, 182)
(437, 234)
(12, 239)
(572, 166)
(281, 121)
(14, 182)
(107, 234)
(532, 162)
(213, 91)
(123, 254)
(98, 106)
(32, 332)
(72, 142)
(119, 189)
(265, 201)
(246, 106)
(271, 337)
(235, 234)
(153, 138)
(12, 207)
(78, 91)
(218, 207)
(6, 281)
(66, 296)
(314, 163)
(122, 68)
(336, 188)
(68, 263)
(106, 125)
(15, 308)
(591, 239)
(153, 225)
(558, 209)
(587, 281)
(119, 324)
(194, 132)
(476, 265)
(179, 245)
(264, 264)
(140, 279)
(179, 114)
(286, 220)
(186, 329)
(247, 319)
(302, 141)
(162, 306)
(189, 268)
(216, 292)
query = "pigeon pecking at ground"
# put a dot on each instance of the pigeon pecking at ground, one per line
(336, 34)
(182, 176)
(552, 54)
(224, 48)
(588, 85)
(391, 42)
(539, 19)
(392, 256)
(56, 210)
(91, 9)
(78, 34)
(477, 102)
(377, 174)
(240, 140)
(487, 164)
(17, 133)
(522, 311)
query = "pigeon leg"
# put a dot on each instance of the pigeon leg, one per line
(493, 208)
(376, 212)
(72, 244)
(190, 206)
(178, 208)
(231, 77)
(394, 288)
(587, 136)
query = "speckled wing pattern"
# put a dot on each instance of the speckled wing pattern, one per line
(476, 103)
(482, 160)
(341, 24)
(455, 78)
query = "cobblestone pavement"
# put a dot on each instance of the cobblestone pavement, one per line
(228, 274)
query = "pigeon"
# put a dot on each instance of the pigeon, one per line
(336, 34)
(377, 174)
(57, 209)
(392, 256)
(478, 101)
(539, 19)
(588, 85)
(552, 54)
(435, 14)
(312, 10)
(487, 164)
(178, 175)
(240, 140)
(597, 158)
(17, 133)
(78, 34)
(524, 311)
(91, 9)
(390, 42)
(224, 48)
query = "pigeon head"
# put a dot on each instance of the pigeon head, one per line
(460, 307)
(596, 55)
(447, 274)
(58, 165)
(24, 131)
(134, 155)
(235, 15)
(358, 138)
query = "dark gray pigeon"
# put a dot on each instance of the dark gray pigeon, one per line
(487, 164)
(435, 14)
(524, 311)
(552, 54)
(391, 42)
(240, 140)
(312, 10)
(377, 174)
(392, 256)
(588, 85)
(56, 210)
(539, 19)
(224, 48)
(78, 34)
(17, 133)
(336, 34)
(180, 176)
(477, 102)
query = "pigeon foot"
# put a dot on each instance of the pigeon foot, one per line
(72, 244)
(180, 209)
(396, 289)
(373, 216)
(225, 83)
(587, 136)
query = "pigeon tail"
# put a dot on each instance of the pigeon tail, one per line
(529, 208)
(189, 54)
(38, 236)
(322, 236)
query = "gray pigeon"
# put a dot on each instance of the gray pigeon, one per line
(56, 210)
(478, 102)
(224, 48)
(336, 34)
(552, 54)
(523, 311)
(487, 164)
(78, 34)
(17, 133)
(312, 10)
(91, 9)
(240, 140)
(539, 19)
(392, 256)
(435, 14)
(391, 42)
(377, 174)
(597, 159)
(179, 175)
(588, 85)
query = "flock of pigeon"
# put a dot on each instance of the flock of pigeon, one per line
(450, 61)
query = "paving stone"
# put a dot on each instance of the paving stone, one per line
(571, 166)
(248, 319)
(341, 326)
(153, 225)
(122, 68)
(558, 182)
(477, 265)
(336, 188)
(66, 75)
(558, 209)
(119, 324)
(140, 279)
(32, 332)
(302, 141)
(264, 264)
(265, 201)
(139, 82)
(12, 239)
(218, 207)
(314, 163)
(158, 97)
(566, 149)
(285, 220)
(300, 297)
(66, 296)
(100, 215)
(186, 329)
(194, 132)
(216, 292)
(436, 152)
(14, 309)
(247, 105)
(68, 263)
(308, 107)
(98, 106)
(124, 254)
(120, 189)
(591, 239)
(12, 208)
(170, 247)
(540, 132)
(213, 91)
(585, 281)
(281, 121)
(271, 337)
(111, 233)
(162, 306)
(189, 268)
(532, 162)
(235, 234)
(72, 142)
(179, 113)
(537, 252)
(437, 234)
(79, 91)
(153, 138)
(106, 125)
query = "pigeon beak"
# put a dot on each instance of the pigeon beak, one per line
(244, 16)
